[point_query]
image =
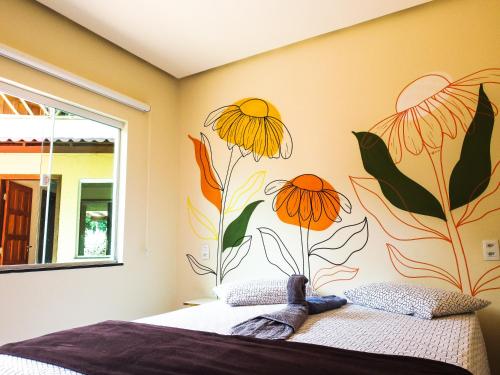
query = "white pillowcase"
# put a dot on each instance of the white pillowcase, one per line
(256, 292)
(420, 301)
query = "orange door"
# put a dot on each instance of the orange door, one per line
(16, 223)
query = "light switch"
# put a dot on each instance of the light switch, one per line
(490, 250)
(205, 252)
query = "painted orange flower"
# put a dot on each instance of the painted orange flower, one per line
(308, 201)
(255, 126)
(429, 108)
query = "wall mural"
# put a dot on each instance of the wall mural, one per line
(254, 126)
(429, 110)
(250, 126)
(311, 203)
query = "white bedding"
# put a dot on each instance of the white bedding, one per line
(457, 339)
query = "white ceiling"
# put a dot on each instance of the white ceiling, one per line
(184, 37)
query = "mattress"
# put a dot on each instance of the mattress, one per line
(457, 339)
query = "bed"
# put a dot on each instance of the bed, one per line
(455, 340)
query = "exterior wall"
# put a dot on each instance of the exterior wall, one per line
(72, 168)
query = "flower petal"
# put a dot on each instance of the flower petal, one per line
(293, 203)
(393, 141)
(305, 206)
(345, 203)
(491, 75)
(430, 128)
(444, 114)
(216, 114)
(259, 144)
(329, 205)
(411, 135)
(282, 196)
(316, 206)
(250, 132)
(274, 186)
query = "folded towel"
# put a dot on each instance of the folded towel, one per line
(281, 324)
(318, 305)
(296, 289)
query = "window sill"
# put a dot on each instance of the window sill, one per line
(57, 266)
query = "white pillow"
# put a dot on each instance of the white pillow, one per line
(422, 302)
(256, 292)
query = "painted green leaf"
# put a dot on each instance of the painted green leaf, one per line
(399, 189)
(472, 173)
(235, 232)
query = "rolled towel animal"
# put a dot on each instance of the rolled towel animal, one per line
(281, 324)
(296, 290)
(318, 305)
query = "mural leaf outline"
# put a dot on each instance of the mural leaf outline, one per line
(199, 268)
(276, 252)
(200, 223)
(235, 255)
(335, 250)
(243, 194)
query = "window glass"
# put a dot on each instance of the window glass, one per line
(58, 185)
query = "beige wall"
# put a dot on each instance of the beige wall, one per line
(144, 284)
(324, 89)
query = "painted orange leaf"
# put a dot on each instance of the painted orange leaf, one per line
(414, 269)
(210, 183)
(490, 280)
(329, 275)
(399, 224)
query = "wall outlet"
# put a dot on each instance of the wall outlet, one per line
(490, 250)
(205, 252)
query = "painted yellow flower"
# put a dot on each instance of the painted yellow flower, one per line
(429, 108)
(255, 126)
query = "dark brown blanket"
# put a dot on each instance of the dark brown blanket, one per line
(115, 347)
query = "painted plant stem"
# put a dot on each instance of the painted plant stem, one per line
(436, 159)
(233, 160)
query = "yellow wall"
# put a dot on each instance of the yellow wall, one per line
(325, 88)
(68, 298)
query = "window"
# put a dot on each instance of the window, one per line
(95, 219)
(59, 182)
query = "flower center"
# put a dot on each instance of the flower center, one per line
(420, 90)
(308, 182)
(255, 108)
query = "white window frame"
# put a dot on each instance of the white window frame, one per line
(19, 90)
(112, 254)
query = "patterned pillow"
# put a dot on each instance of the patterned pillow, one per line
(422, 302)
(256, 292)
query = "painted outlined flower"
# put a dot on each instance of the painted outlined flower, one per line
(308, 201)
(429, 108)
(255, 126)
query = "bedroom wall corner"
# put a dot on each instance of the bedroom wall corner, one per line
(36, 303)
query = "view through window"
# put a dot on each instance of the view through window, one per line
(58, 185)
